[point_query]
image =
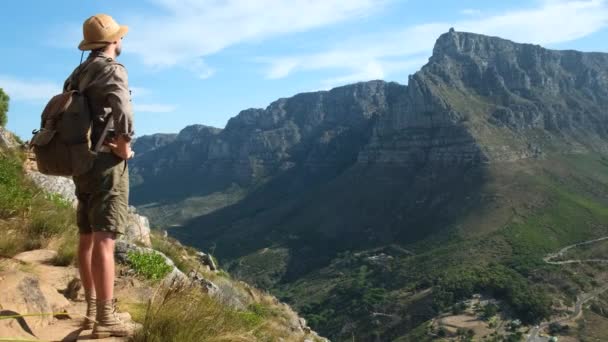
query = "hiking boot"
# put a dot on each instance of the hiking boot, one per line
(109, 323)
(90, 314)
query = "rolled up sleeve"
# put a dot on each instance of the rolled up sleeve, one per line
(116, 86)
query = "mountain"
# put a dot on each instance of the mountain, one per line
(374, 207)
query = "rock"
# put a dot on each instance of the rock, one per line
(199, 279)
(23, 293)
(207, 260)
(61, 186)
(7, 139)
(38, 256)
(138, 228)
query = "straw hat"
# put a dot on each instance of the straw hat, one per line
(99, 31)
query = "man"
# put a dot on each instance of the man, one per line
(103, 191)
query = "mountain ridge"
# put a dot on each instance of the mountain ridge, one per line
(481, 145)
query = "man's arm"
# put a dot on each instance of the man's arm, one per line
(119, 100)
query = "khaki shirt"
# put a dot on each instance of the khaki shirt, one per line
(108, 94)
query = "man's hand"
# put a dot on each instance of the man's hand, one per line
(121, 147)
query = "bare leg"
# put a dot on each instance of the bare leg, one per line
(103, 264)
(85, 253)
(108, 323)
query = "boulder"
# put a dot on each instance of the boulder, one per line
(138, 229)
(56, 185)
(24, 293)
(207, 260)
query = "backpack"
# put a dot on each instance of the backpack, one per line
(62, 145)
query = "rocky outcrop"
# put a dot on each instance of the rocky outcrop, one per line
(30, 290)
(175, 276)
(61, 186)
(207, 260)
(7, 139)
(137, 229)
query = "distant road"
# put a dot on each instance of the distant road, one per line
(549, 258)
(580, 300)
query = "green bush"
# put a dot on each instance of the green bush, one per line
(3, 107)
(15, 196)
(149, 265)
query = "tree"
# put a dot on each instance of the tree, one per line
(489, 311)
(3, 107)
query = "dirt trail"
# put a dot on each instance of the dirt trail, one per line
(581, 300)
(549, 258)
(31, 285)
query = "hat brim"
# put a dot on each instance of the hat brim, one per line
(85, 45)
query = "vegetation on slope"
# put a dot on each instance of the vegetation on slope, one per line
(30, 218)
(528, 211)
(3, 108)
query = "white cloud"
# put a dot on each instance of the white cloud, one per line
(374, 71)
(556, 21)
(201, 69)
(372, 56)
(190, 30)
(470, 11)
(153, 108)
(28, 90)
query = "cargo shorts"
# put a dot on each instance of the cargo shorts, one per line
(103, 196)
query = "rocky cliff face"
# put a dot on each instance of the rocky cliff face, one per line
(319, 130)
(479, 99)
(486, 99)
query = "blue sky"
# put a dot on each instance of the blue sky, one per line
(203, 61)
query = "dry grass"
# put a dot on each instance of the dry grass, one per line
(30, 218)
(188, 314)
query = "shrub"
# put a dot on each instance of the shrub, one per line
(3, 107)
(149, 265)
(15, 197)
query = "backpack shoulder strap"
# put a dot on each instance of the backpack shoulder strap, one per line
(90, 69)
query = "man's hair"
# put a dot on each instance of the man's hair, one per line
(101, 49)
